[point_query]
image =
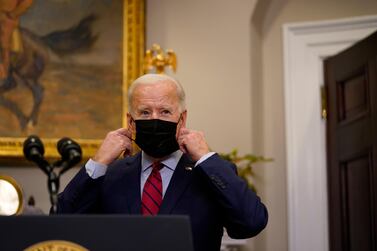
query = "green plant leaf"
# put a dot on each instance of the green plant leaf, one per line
(244, 164)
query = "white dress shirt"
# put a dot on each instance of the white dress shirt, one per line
(96, 170)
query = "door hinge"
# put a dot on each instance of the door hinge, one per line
(323, 102)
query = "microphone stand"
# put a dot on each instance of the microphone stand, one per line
(53, 179)
(53, 182)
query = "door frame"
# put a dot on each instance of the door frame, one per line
(305, 46)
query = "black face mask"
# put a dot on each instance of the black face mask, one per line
(156, 137)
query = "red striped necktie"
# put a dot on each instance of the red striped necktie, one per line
(152, 192)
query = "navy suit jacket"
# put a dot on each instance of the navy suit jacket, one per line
(211, 194)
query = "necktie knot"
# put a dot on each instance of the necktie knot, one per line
(157, 166)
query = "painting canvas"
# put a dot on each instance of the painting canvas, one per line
(66, 70)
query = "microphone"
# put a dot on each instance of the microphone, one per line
(34, 151)
(71, 153)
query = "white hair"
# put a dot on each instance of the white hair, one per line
(150, 79)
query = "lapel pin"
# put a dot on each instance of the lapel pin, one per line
(188, 168)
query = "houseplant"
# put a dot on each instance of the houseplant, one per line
(245, 164)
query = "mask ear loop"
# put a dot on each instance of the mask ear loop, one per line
(179, 120)
(180, 117)
(132, 120)
(134, 146)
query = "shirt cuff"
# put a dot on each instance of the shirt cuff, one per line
(204, 157)
(95, 169)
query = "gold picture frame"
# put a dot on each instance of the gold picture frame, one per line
(11, 148)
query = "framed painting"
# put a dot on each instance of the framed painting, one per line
(65, 68)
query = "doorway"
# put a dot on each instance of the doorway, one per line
(305, 47)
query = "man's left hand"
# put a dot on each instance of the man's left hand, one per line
(192, 143)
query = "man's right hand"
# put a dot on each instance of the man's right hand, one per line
(113, 145)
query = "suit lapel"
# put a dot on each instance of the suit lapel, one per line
(178, 183)
(131, 180)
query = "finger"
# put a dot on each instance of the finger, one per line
(182, 144)
(182, 137)
(125, 142)
(184, 131)
(182, 147)
(127, 152)
(122, 131)
(129, 133)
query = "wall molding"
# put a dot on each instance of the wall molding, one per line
(305, 46)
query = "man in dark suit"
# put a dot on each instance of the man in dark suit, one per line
(175, 173)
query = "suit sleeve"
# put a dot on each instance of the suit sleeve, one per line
(81, 195)
(244, 213)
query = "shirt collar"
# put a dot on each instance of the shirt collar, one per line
(170, 162)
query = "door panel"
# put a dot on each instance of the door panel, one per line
(353, 97)
(356, 203)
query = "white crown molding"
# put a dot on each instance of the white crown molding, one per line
(345, 24)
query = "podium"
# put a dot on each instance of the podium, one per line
(95, 233)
